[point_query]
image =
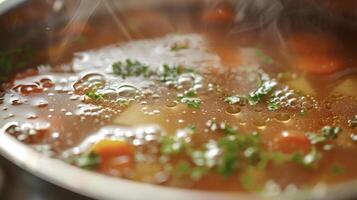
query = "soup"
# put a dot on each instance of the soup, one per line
(193, 110)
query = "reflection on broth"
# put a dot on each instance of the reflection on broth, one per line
(194, 111)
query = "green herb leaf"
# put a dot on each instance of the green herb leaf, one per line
(273, 103)
(234, 99)
(227, 163)
(182, 168)
(88, 160)
(170, 73)
(307, 160)
(330, 132)
(192, 102)
(198, 172)
(315, 138)
(265, 87)
(95, 95)
(130, 68)
(337, 170)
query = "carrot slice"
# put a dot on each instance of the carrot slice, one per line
(316, 53)
(112, 148)
(290, 142)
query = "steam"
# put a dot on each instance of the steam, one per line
(260, 15)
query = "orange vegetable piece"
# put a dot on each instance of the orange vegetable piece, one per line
(290, 142)
(316, 53)
(112, 148)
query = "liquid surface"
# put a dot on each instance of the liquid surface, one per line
(187, 111)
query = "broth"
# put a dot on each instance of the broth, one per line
(192, 111)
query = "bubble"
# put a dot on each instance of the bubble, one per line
(260, 123)
(41, 103)
(32, 116)
(27, 132)
(46, 83)
(16, 101)
(283, 117)
(233, 110)
(88, 82)
(27, 89)
(127, 90)
(170, 103)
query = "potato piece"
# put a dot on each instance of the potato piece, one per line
(300, 84)
(135, 115)
(348, 87)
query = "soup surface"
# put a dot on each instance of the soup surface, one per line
(191, 111)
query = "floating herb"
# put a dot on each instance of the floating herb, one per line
(265, 87)
(191, 102)
(88, 160)
(273, 103)
(337, 170)
(330, 132)
(182, 168)
(170, 73)
(327, 133)
(228, 161)
(95, 95)
(130, 68)
(307, 160)
(234, 99)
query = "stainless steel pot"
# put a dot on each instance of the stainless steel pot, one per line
(104, 187)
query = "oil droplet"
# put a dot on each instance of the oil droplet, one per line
(260, 123)
(283, 117)
(170, 104)
(27, 89)
(16, 101)
(31, 116)
(258, 109)
(233, 110)
(89, 81)
(127, 90)
(41, 103)
(46, 83)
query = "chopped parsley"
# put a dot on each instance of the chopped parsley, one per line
(172, 145)
(337, 170)
(88, 160)
(192, 102)
(94, 95)
(273, 103)
(234, 99)
(307, 160)
(170, 73)
(181, 168)
(228, 161)
(265, 87)
(327, 133)
(130, 68)
(331, 133)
